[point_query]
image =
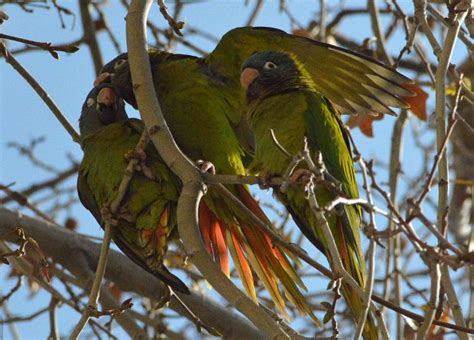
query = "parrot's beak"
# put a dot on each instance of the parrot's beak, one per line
(102, 78)
(248, 76)
(106, 97)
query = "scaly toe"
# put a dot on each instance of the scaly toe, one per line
(301, 176)
(205, 166)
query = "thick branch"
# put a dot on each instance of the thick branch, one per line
(193, 185)
(66, 247)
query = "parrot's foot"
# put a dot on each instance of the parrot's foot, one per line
(113, 219)
(205, 166)
(303, 176)
(108, 217)
(124, 214)
(102, 78)
(140, 155)
(264, 181)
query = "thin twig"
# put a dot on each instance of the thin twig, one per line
(255, 12)
(177, 26)
(49, 183)
(27, 269)
(53, 324)
(444, 57)
(373, 7)
(369, 283)
(420, 14)
(43, 45)
(104, 251)
(89, 36)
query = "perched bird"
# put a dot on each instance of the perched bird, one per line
(147, 215)
(354, 82)
(203, 105)
(197, 116)
(282, 97)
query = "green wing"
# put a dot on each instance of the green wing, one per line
(326, 133)
(350, 80)
(149, 206)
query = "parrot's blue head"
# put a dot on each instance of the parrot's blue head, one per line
(269, 73)
(102, 107)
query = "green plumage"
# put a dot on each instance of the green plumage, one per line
(353, 81)
(283, 98)
(211, 84)
(200, 109)
(147, 215)
(203, 105)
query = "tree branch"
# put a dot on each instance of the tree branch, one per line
(193, 186)
(67, 248)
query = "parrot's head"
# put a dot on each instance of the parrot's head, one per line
(117, 72)
(102, 107)
(269, 73)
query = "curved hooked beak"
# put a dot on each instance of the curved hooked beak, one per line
(106, 97)
(248, 76)
(103, 78)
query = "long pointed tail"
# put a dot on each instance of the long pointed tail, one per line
(252, 251)
(353, 261)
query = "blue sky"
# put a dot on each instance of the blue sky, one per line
(24, 116)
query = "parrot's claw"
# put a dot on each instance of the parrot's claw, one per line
(264, 181)
(205, 166)
(138, 154)
(124, 214)
(301, 176)
(108, 217)
(147, 171)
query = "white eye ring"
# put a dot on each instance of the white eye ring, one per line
(90, 102)
(269, 65)
(119, 63)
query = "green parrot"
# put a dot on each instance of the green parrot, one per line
(147, 214)
(282, 97)
(203, 104)
(197, 116)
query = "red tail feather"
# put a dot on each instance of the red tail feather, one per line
(220, 246)
(213, 235)
(250, 202)
(247, 272)
(205, 226)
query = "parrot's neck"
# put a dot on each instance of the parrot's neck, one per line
(256, 93)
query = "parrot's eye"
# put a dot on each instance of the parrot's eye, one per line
(90, 102)
(119, 63)
(269, 65)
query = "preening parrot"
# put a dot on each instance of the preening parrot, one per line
(203, 104)
(282, 97)
(147, 214)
